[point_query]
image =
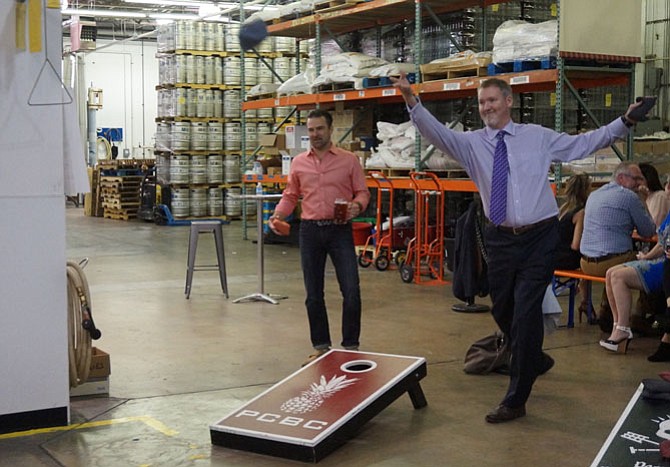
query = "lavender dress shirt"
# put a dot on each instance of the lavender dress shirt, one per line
(531, 150)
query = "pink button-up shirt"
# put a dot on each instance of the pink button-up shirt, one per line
(320, 181)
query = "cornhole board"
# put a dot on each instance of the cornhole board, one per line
(319, 407)
(636, 438)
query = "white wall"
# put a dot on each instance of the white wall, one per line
(127, 73)
(33, 317)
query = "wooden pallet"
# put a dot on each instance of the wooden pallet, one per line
(127, 183)
(120, 214)
(122, 205)
(113, 193)
(332, 5)
(456, 72)
(116, 187)
(336, 87)
(290, 94)
(124, 163)
(404, 172)
(392, 171)
(122, 178)
(110, 181)
(256, 97)
(96, 206)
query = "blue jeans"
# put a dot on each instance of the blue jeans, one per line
(336, 241)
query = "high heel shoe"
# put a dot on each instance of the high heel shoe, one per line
(620, 345)
(662, 354)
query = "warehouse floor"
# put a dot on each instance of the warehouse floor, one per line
(179, 365)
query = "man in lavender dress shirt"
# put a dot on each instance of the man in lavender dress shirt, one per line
(521, 248)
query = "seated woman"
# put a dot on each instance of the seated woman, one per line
(658, 204)
(658, 200)
(645, 274)
(662, 354)
(570, 228)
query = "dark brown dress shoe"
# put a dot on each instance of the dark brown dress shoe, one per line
(546, 365)
(502, 413)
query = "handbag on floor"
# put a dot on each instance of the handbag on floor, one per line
(488, 354)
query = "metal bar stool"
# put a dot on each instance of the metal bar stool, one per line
(198, 227)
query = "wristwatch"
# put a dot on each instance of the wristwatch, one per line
(627, 122)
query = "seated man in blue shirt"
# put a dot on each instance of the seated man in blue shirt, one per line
(509, 163)
(611, 213)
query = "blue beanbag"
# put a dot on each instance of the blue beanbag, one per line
(252, 33)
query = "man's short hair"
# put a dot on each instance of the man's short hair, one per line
(318, 113)
(623, 168)
(501, 84)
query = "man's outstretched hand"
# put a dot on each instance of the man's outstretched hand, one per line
(405, 88)
(638, 111)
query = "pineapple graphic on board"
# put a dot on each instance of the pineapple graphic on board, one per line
(313, 398)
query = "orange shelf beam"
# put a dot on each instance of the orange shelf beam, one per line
(399, 183)
(528, 81)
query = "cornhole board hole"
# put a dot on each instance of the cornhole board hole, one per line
(319, 407)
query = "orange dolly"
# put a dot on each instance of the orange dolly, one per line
(378, 248)
(425, 252)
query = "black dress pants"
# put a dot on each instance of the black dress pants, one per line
(520, 268)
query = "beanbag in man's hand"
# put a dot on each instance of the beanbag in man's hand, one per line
(639, 114)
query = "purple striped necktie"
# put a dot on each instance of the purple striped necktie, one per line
(498, 207)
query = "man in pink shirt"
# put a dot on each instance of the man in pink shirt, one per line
(320, 176)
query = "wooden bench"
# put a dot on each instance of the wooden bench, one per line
(570, 279)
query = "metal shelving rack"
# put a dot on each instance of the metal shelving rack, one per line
(376, 13)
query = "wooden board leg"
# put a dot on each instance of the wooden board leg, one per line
(418, 398)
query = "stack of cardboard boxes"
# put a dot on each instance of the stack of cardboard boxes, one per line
(98, 376)
(361, 123)
(296, 138)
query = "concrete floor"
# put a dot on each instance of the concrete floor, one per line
(179, 365)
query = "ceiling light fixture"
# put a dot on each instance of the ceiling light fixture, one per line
(189, 3)
(196, 3)
(173, 16)
(102, 13)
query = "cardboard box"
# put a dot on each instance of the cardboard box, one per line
(347, 118)
(100, 364)
(351, 145)
(661, 147)
(351, 142)
(294, 136)
(272, 143)
(608, 151)
(643, 147)
(92, 387)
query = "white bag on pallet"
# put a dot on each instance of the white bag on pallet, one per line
(519, 40)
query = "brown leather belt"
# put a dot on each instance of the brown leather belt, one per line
(525, 228)
(600, 259)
